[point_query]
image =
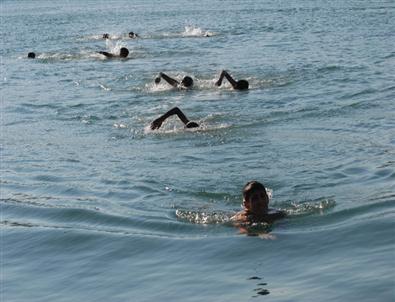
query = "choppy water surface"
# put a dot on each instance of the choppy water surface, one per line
(96, 207)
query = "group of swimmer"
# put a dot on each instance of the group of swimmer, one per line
(131, 35)
(255, 198)
(123, 51)
(186, 83)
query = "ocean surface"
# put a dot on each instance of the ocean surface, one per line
(97, 207)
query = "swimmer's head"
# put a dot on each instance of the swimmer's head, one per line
(192, 125)
(242, 85)
(31, 55)
(132, 35)
(187, 81)
(106, 36)
(124, 52)
(255, 198)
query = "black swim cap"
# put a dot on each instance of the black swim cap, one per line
(124, 52)
(242, 85)
(192, 125)
(31, 55)
(187, 81)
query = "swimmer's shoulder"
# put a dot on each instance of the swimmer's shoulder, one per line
(276, 214)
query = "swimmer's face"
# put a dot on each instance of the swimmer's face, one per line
(257, 203)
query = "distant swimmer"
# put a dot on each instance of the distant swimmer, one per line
(256, 205)
(187, 82)
(133, 35)
(156, 124)
(106, 36)
(238, 85)
(123, 53)
(31, 55)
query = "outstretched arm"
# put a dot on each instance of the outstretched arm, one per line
(158, 122)
(168, 79)
(105, 53)
(225, 74)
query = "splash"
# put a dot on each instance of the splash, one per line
(192, 31)
(198, 217)
(160, 87)
(176, 127)
(115, 48)
(189, 31)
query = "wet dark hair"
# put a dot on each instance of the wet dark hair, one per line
(242, 85)
(124, 52)
(187, 81)
(31, 55)
(251, 187)
(106, 36)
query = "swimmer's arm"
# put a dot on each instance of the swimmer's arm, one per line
(225, 74)
(156, 124)
(105, 53)
(168, 79)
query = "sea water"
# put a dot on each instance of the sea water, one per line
(97, 207)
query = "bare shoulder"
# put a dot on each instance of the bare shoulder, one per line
(276, 214)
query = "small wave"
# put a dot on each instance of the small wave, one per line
(88, 119)
(120, 125)
(105, 88)
(359, 93)
(309, 207)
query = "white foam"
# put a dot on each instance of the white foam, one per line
(115, 48)
(192, 31)
(153, 87)
(175, 126)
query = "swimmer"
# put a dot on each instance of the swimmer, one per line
(256, 205)
(106, 36)
(238, 85)
(133, 35)
(31, 55)
(123, 53)
(187, 82)
(156, 124)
